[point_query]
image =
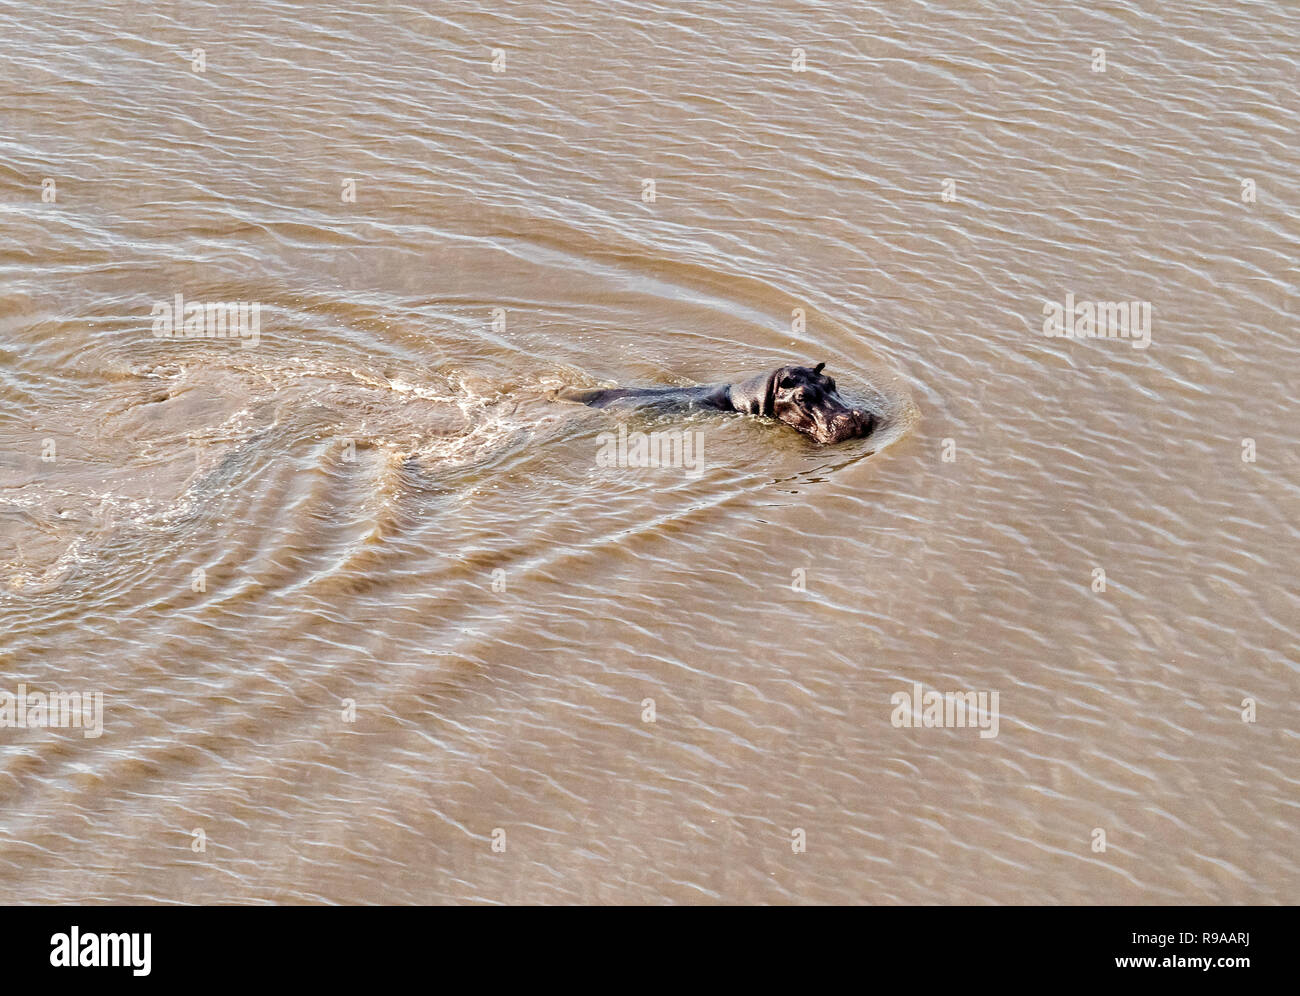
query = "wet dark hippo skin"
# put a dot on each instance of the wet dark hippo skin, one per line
(803, 398)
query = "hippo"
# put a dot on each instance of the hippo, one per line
(803, 398)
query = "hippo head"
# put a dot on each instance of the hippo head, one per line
(804, 398)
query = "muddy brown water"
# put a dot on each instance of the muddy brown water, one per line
(359, 598)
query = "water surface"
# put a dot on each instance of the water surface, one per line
(388, 510)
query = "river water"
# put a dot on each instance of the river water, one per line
(372, 623)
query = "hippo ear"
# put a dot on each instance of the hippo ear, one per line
(818, 368)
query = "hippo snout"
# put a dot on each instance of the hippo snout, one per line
(843, 424)
(853, 424)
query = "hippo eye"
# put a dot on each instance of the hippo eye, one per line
(786, 382)
(830, 383)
